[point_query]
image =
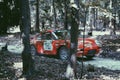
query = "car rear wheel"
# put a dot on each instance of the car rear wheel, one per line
(63, 53)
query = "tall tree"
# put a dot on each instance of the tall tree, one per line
(54, 10)
(71, 69)
(4, 16)
(66, 12)
(25, 25)
(9, 14)
(37, 16)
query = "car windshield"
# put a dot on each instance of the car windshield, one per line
(61, 34)
(46, 36)
(66, 34)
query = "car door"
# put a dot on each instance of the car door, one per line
(47, 43)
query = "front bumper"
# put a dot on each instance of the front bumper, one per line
(91, 53)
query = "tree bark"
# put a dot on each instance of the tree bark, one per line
(119, 18)
(71, 69)
(66, 18)
(55, 20)
(37, 29)
(25, 27)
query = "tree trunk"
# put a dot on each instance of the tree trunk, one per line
(37, 29)
(71, 69)
(119, 19)
(114, 24)
(25, 25)
(94, 17)
(66, 18)
(55, 20)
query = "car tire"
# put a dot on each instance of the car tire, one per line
(33, 50)
(63, 53)
(89, 57)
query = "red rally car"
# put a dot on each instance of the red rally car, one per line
(58, 43)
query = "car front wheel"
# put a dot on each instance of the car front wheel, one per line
(89, 57)
(63, 53)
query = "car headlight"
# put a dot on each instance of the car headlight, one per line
(98, 43)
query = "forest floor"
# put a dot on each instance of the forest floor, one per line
(51, 68)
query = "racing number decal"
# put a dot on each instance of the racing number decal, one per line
(48, 45)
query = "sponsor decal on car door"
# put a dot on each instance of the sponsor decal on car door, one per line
(48, 45)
